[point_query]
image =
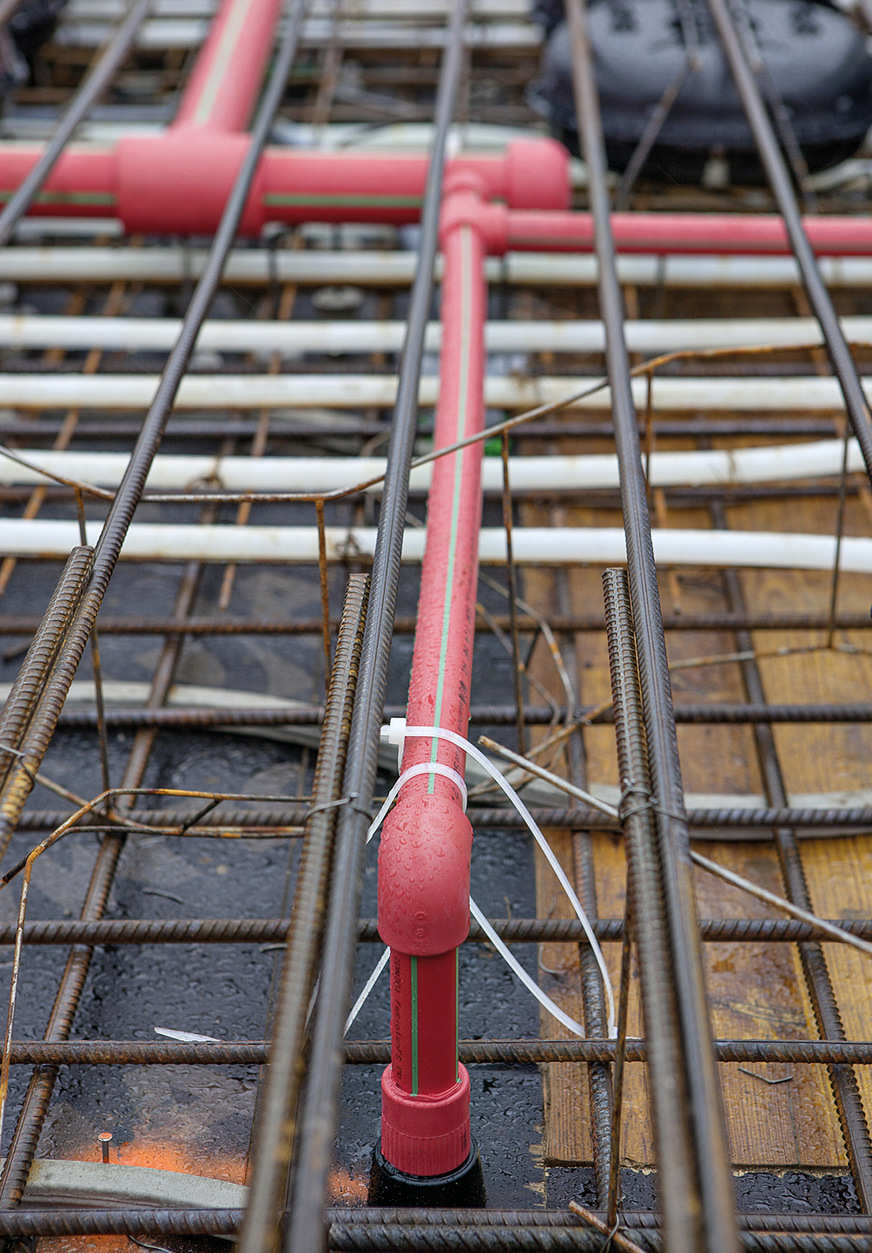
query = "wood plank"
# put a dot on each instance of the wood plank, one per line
(779, 1116)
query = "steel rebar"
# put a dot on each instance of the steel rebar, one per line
(271, 1154)
(778, 178)
(305, 1231)
(700, 1211)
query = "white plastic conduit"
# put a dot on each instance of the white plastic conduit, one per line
(530, 546)
(392, 269)
(772, 464)
(291, 338)
(361, 391)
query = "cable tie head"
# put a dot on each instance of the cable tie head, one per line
(395, 733)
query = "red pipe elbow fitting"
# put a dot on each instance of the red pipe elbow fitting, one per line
(423, 913)
(423, 873)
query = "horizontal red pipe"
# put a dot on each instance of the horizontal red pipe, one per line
(178, 182)
(757, 234)
(525, 230)
(224, 84)
(423, 894)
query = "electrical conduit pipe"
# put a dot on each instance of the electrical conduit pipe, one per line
(426, 843)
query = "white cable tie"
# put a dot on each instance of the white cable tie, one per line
(367, 988)
(471, 750)
(529, 983)
(423, 767)
(395, 733)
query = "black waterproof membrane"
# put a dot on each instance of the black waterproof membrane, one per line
(30, 26)
(816, 67)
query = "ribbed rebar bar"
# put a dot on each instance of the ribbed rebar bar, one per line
(269, 931)
(377, 1052)
(425, 1230)
(561, 623)
(668, 1088)
(631, 1219)
(699, 1212)
(779, 181)
(24, 696)
(385, 1238)
(491, 715)
(271, 1153)
(714, 823)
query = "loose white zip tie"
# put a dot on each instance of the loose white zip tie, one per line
(368, 987)
(396, 733)
(431, 767)
(515, 966)
(435, 767)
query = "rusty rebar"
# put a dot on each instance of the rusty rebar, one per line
(269, 931)
(700, 1207)
(670, 1098)
(560, 623)
(23, 699)
(377, 1052)
(274, 1139)
(716, 823)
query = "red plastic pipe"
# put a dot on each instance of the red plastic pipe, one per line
(423, 894)
(530, 230)
(225, 82)
(178, 182)
(753, 234)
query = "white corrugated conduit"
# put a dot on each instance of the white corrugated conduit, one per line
(23, 331)
(361, 391)
(557, 473)
(530, 545)
(371, 267)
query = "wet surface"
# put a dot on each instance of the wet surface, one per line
(759, 1191)
(199, 1119)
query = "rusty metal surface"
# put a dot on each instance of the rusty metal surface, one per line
(166, 907)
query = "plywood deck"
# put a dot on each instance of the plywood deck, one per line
(778, 1115)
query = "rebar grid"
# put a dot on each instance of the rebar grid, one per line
(324, 98)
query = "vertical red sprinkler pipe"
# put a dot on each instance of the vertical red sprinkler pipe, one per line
(423, 895)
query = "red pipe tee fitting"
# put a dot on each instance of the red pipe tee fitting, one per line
(178, 182)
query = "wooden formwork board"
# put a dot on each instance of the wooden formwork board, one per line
(778, 1115)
